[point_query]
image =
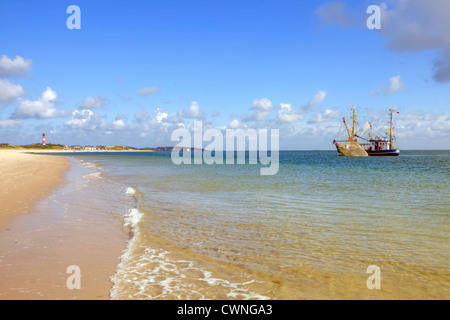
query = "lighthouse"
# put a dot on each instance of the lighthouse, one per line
(43, 139)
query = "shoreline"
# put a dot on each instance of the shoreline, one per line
(42, 232)
(53, 151)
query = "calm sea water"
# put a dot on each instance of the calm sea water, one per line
(309, 232)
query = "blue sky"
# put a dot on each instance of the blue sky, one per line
(137, 70)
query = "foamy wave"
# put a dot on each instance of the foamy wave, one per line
(237, 290)
(150, 273)
(130, 191)
(94, 175)
(154, 273)
(87, 164)
(133, 217)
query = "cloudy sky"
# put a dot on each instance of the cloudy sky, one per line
(137, 70)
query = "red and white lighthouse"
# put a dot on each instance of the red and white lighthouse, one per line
(43, 139)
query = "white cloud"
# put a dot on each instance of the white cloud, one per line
(288, 115)
(79, 118)
(318, 98)
(234, 124)
(93, 103)
(422, 130)
(147, 91)
(396, 84)
(87, 120)
(9, 92)
(17, 67)
(413, 129)
(415, 25)
(263, 104)
(406, 25)
(10, 123)
(160, 115)
(327, 116)
(118, 124)
(141, 117)
(194, 110)
(43, 108)
(261, 109)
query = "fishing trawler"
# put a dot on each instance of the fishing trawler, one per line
(373, 147)
(383, 147)
(350, 147)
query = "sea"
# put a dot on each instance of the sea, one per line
(323, 227)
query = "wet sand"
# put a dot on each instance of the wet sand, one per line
(38, 244)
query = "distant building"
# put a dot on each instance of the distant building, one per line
(4, 144)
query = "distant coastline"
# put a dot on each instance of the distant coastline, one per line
(61, 149)
(38, 148)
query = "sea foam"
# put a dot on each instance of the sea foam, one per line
(133, 217)
(130, 191)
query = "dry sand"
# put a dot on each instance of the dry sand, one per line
(26, 178)
(37, 247)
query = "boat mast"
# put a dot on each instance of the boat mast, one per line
(348, 131)
(351, 135)
(354, 121)
(391, 131)
(353, 124)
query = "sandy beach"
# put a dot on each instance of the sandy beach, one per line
(38, 245)
(26, 178)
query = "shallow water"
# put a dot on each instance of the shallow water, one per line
(308, 232)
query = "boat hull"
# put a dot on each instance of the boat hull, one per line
(384, 153)
(347, 149)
